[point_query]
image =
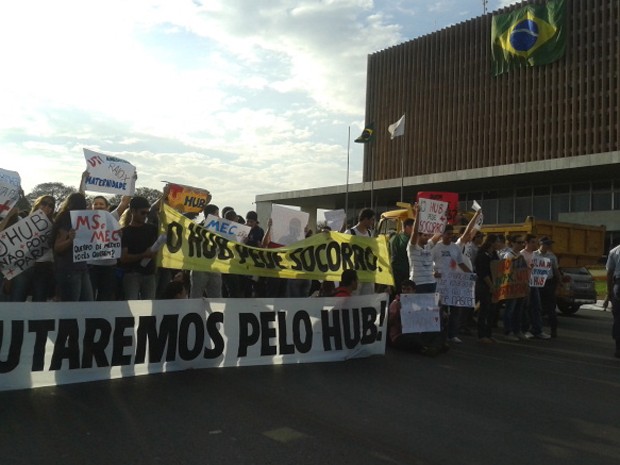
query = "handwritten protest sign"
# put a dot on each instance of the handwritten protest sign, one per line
(109, 174)
(231, 230)
(187, 199)
(287, 225)
(540, 271)
(457, 289)
(419, 313)
(9, 190)
(24, 242)
(335, 219)
(511, 278)
(97, 235)
(452, 198)
(432, 216)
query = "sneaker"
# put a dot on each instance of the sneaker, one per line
(521, 336)
(455, 339)
(528, 335)
(511, 337)
(542, 336)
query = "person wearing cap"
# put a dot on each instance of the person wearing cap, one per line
(613, 293)
(137, 258)
(547, 292)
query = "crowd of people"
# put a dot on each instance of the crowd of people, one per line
(418, 261)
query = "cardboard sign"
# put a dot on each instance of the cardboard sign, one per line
(231, 230)
(457, 289)
(24, 242)
(109, 174)
(540, 271)
(452, 198)
(97, 235)
(419, 313)
(187, 199)
(10, 183)
(432, 216)
(335, 219)
(287, 225)
(511, 278)
(52, 343)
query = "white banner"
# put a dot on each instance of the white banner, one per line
(287, 225)
(419, 313)
(109, 174)
(97, 235)
(24, 242)
(433, 216)
(44, 344)
(539, 271)
(10, 183)
(457, 289)
(231, 230)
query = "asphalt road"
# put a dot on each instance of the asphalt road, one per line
(539, 402)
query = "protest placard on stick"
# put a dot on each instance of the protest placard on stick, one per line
(433, 217)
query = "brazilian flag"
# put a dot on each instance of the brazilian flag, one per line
(367, 134)
(530, 36)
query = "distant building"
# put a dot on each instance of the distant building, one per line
(541, 140)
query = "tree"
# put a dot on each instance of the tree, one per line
(152, 195)
(57, 190)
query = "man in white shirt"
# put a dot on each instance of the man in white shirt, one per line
(613, 293)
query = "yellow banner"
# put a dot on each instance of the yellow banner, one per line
(187, 199)
(189, 246)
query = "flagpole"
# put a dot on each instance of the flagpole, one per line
(372, 174)
(346, 196)
(402, 170)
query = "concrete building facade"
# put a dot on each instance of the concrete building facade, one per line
(541, 141)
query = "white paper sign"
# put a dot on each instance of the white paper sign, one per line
(287, 225)
(109, 174)
(419, 313)
(457, 289)
(335, 219)
(97, 235)
(10, 183)
(540, 271)
(229, 229)
(433, 216)
(24, 242)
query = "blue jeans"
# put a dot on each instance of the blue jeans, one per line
(74, 286)
(20, 285)
(512, 315)
(138, 286)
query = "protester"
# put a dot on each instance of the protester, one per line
(513, 307)
(207, 283)
(103, 273)
(137, 258)
(72, 277)
(398, 254)
(532, 325)
(42, 278)
(547, 292)
(485, 287)
(175, 290)
(613, 293)
(364, 226)
(348, 284)
(420, 258)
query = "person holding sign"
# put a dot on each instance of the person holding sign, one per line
(532, 317)
(420, 257)
(513, 307)
(206, 282)
(72, 277)
(547, 292)
(137, 254)
(447, 256)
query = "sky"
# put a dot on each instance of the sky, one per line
(240, 97)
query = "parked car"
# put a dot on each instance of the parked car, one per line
(576, 289)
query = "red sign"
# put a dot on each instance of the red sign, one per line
(451, 197)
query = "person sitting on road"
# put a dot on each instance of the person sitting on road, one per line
(348, 284)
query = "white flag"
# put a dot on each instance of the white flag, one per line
(398, 128)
